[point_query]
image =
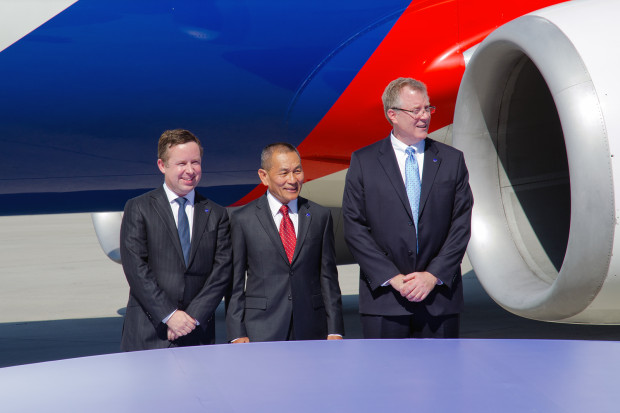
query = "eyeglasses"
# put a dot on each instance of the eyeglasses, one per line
(417, 112)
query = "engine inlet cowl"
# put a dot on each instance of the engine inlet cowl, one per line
(538, 118)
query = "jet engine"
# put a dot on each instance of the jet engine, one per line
(538, 118)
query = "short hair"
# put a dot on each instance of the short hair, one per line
(391, 94)
(174, 137)
(267, 153)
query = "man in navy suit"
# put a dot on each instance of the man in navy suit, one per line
(285, 280)
(176, 254)
(407, 215)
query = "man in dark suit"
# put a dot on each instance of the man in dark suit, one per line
(285, 245)
(407, 215)
(176, 254)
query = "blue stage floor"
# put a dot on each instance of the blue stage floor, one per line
(466, 375)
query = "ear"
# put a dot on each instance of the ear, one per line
(391, 115)
(161, 166)
(262, 174)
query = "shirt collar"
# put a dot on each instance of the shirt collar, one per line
(274, 205)
(172, 196)
(402, 147)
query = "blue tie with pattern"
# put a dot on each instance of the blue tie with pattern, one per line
(412, 183)
(183, 228)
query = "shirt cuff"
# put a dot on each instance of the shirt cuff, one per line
(165, 320)
(387, 283)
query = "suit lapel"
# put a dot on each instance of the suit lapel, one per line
(387, 159)
(304, 217)
(201, 216)
(263, 213)
(163, 209)
(431, 165)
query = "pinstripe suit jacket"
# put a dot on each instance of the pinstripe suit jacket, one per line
(305, 291)
(159, 280)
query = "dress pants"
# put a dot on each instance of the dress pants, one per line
(410, 326)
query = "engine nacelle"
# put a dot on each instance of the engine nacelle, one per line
(538, 117)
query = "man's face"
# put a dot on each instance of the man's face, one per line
(410, 128)
(285, 176)
(182, 171)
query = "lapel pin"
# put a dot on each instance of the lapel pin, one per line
(307, 214)
(206, 210)
(434, 159)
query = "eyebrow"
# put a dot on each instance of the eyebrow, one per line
(292, 169)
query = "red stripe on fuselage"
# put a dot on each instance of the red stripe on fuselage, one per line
(425, 43)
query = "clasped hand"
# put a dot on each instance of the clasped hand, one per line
(180, 324)
(415, 286)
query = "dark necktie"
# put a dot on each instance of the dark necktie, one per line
(287, 233)
(183, 228)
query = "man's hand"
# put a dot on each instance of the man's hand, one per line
(180, 324)
(398, 282)
(418, 286)
(241, 340)
(334, 337)
(171, 335)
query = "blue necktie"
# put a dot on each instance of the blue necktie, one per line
(412, 183)
(183, 228)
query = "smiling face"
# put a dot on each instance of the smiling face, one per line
(182, 168)
(284, 177)
(409, 128)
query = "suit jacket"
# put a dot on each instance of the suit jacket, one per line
(159, 280)
(306, 289)
(380, 232)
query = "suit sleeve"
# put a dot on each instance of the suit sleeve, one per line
(134, 256)
(374, 263)
(235, 326)
(330, 288)
(208, 298)
(447, 262)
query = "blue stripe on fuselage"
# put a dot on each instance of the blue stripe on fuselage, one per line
(85, 97)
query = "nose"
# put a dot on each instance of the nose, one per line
(290, 178)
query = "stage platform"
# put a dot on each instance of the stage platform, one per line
(465, 375)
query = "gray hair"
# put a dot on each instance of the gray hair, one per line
(391, 94)
(267, 153)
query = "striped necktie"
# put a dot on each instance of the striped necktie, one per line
(287, 233)
(183, 228)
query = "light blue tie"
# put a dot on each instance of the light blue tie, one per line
(412, 183)
(183, 228)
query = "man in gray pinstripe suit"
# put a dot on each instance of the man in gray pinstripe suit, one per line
(176, 254)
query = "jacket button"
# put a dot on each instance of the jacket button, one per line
(290, 297)
(410, 223)
(410, 252)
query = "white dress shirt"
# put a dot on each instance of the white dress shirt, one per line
(189, 207)
(401, 155)
(275, 205)
(189, 211)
